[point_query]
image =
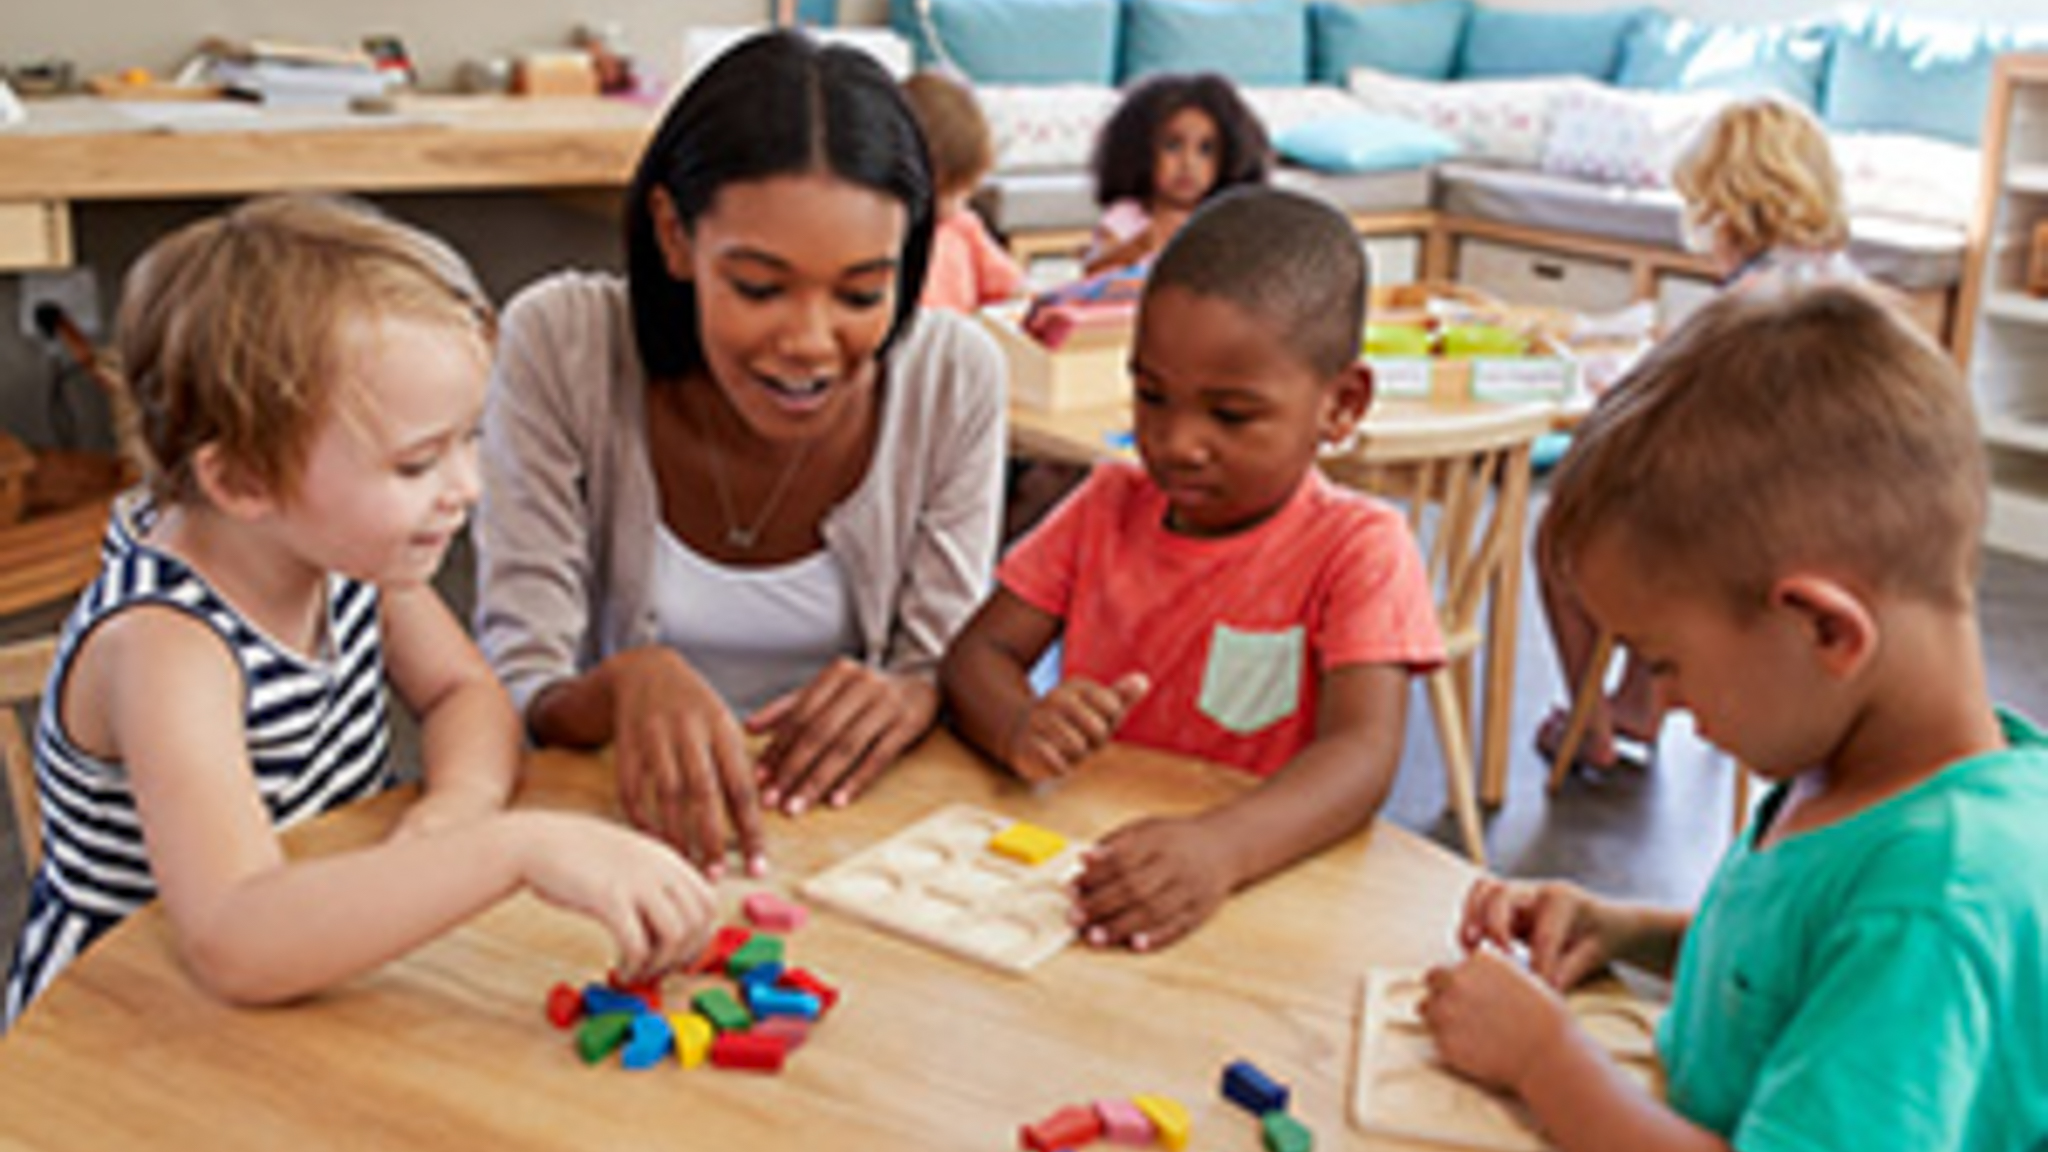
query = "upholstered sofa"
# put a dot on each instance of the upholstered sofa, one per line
(1546, 175)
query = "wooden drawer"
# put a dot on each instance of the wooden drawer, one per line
(1532, 276)
(34, 234)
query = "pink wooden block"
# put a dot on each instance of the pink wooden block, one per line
(768, 911)
(1123, 1123)
(791, 1030)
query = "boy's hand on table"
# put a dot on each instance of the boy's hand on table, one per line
(831, 738)
(1492, 1019)
(1564, 927)
(1148, 884)
(1077, 717)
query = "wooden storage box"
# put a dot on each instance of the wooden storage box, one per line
(1090, 370)
(1548, 374)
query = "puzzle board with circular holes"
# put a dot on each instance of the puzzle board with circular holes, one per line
(1400, 1088)
(941, 883)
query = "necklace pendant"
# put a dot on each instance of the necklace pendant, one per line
(742, 538)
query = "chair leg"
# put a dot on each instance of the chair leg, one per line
(1457, 752)
(1585, 695)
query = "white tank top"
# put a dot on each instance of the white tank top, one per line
(753, 633)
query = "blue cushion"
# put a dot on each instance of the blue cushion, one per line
(1500, 43)
(1250, 41)
(1676, 55)
(1017, 41)
(1419, 40)
(1922, 75)
(1364, 142)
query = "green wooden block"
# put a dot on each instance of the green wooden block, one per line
(755, 952)
(1286, 1134)
(725, 1013)
(600, 1035)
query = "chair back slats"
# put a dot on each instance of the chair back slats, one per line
(24, 667)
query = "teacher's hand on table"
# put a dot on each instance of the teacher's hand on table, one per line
(682, 761)
(830, 739)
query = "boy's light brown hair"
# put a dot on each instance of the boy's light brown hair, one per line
(1761, 174)
(1808, 428)
(955, 131)
(230, 328)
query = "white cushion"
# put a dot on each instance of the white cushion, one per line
(1282, 110)
(1907, 176)
(1044, 127)
(1504, 120)
(1624, 136)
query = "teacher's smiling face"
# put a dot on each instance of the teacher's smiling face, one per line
(795, 279)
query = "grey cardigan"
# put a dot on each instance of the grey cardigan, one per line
(566, 528)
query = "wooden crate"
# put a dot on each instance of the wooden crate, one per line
(1090, 370)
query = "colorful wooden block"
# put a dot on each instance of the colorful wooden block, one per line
(768, 1000)
(725, 1013)
(1169, 1116)
(724, 943)
(1070, 1127)
(1027, 843)
(788, 1029)
(648, 992)
(1123, 1123)
(693, 1035)
(1245, 1085)
(769, 973)
(748, 1051)
(1283, 1133)
(648, 1043)
(599, 999)
(805, 980)
(599, 1035)
(565, 1006)
(767, 911)
(754, 953)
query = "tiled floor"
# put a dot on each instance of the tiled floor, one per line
(1651, 834)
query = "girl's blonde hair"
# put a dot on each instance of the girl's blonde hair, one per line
(955, 131)
(1761, 175)
(229, 328)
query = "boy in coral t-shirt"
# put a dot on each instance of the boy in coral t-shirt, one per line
(1225, 601)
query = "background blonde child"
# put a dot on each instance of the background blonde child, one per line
(1175, 140)
(1866, 968)
(969, 267)
(1225, 600)
(1763, 198)
(310, 377)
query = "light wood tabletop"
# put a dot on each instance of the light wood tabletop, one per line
(448, 1047)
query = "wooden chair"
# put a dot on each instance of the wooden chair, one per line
(24, 667)
(1463, 480)
(1587, 694)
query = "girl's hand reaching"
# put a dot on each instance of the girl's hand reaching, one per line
(1060, 729)
(658, 909)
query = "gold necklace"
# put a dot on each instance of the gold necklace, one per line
(743, 537)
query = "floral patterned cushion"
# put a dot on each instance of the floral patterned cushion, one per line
(1909, 176)
(1506, 120)
(1038, 127)
(1626, 137)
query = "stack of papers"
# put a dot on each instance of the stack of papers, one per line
(296, 76)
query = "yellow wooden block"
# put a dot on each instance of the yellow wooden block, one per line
(1027, 843)
(1169, 1116)
(693, 1037)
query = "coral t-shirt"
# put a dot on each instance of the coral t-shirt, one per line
(968, 268)
(1234, 632)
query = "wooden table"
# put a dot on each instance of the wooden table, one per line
(448, 1048)
(81, 149)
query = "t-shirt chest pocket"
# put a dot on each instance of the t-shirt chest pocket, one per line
(1252, 678)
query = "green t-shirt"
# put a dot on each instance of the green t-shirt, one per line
(1880, 983)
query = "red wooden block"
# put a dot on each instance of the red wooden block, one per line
(648, 992)
(724, 943)
(748, 1050)
(804, 980)
(1070, 1127)
(565, 1006)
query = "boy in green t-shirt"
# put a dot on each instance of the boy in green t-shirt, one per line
(1779, 513)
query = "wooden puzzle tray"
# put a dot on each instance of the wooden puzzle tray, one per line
(937, 882)
(1399, 1087)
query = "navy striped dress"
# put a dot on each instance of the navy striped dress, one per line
(318, 736)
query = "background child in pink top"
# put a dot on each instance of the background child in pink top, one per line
(969, 268)
(1175, 140)
(1224, 601)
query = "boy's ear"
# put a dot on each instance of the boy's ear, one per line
(1837, 623)
(229, 487)
(1345, 402)
(669, 233)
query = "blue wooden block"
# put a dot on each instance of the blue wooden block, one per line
(1253, 1090)
(649, 1043)
(764, 974)
(767, 1000)
(599, 999)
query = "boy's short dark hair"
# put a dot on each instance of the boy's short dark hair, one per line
(1281, 255)
(1781, 429)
